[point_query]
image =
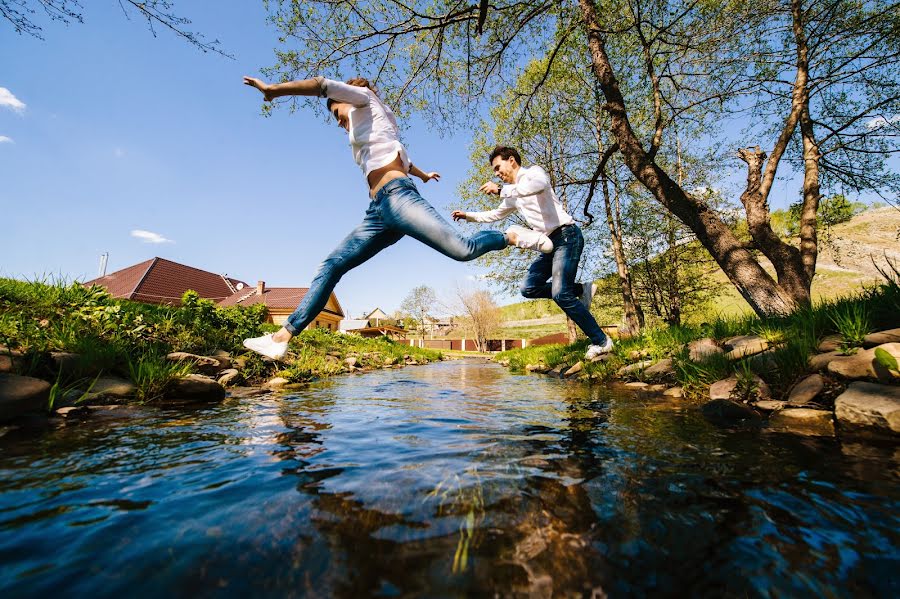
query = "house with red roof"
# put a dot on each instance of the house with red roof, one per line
(161, 281)
(282, 301)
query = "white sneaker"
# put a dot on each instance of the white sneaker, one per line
(530, 239)
(588, 294)
(595, 351)
(266, 346)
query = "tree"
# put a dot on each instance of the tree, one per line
(480, 315)
(419, 305)
(22, 14)
(815, 75)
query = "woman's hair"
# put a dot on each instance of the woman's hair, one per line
(358, 82)
(505, 153)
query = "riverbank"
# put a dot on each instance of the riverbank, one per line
(834, 362)
(66, 346)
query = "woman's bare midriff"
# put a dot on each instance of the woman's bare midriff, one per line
(380, 176)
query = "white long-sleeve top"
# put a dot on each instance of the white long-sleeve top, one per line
(534, 198)
(374, 134)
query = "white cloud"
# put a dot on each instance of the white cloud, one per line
(119, 152)
(879, 121)
(149, 236)
(6, 140)
(8, 100)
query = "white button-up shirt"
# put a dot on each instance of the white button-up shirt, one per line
(374, 134)
(534, 198)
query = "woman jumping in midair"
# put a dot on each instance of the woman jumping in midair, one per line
(396, 208)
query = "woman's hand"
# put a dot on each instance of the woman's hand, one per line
(262, 86)
(426, 177)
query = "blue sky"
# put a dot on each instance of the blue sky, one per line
(120, 131)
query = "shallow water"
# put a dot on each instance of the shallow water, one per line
(455, 479)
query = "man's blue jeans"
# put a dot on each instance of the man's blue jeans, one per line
(397, 210)
(553, 276)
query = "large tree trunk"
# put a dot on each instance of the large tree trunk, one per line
(757, 287)
(634, 316)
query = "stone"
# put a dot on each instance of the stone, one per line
(869, 408)
(806, 390)
(821, 361)
(655, 388)
(601, 358)
(223, 357)
(112, 387)
(745, 345)
(635, 385)
(728, 389)
(204, 364)
(351, 362)
(661, 369)
(74, 412)
(6, 363)
(726, 412)
(578, 367)
(634, 368)
(21, 394)
(557, 372)
(390, 361)
(674, 392)
(802, 421)
(245, 392)
(194, 387)
(638, 354)
(276, 383)
(538, 368)
(830, 343)
(67, 362)
(768, 405)
(881, 337)
(701, 349)
(229, 377)
(862, 364)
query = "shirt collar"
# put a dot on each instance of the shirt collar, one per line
(520, 173)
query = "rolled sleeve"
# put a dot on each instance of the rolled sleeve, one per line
(344, 92)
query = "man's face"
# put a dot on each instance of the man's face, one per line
(505, 168)
(341, 112)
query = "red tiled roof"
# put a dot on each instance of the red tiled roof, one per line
(161, 281)
(275, 297)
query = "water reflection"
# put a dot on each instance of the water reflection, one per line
(451, 479)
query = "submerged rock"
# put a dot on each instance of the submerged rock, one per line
(725, 412)
(869, 408)
(802, 421)
(22, 394)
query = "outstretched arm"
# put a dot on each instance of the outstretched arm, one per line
(270, 91)
(425, 177)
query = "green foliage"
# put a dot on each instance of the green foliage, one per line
(853, 324)
(152, 374)
(696, 377)
(886, 360)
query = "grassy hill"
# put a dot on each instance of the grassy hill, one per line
(845, 264)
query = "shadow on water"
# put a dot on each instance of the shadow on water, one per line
(455, 479)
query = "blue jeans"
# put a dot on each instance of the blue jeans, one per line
(560, 267)
(397, 210)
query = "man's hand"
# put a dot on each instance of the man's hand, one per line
(458, 215)
(262, 86)
(490, 188)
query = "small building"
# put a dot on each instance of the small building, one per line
(161, 281)
(282, 301)
(374, 324)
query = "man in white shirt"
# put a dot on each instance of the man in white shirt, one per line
(552, 275)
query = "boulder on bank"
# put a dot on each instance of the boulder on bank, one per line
(661, 369)
(821, 361)
(802, 421)
(195, 387)
(745, 345)
(830, 343)
(869, 408)
(674, 392)
(111, 387)
(21, 394)
(634, 368)
(204, 364)
(863, 365)
(538, 368)
(728, 389)
(881, 337)
(230, 377)
(578, 367)
(701, 349)
(806, 390)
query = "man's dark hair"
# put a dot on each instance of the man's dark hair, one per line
(505, 153)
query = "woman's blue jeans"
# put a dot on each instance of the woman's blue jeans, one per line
(397, 210)
(553, 276)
